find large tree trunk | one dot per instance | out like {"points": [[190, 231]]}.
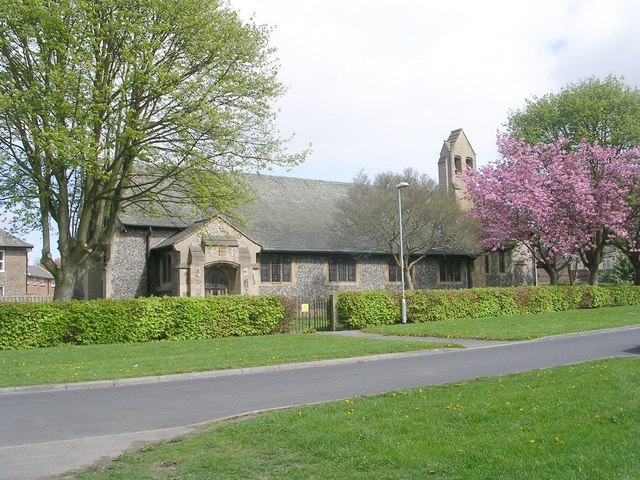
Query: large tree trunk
{"points": [[594, 257], [551, 271], [64, 289], [74, 264]]}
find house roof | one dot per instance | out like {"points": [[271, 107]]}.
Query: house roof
{"points": [[37, 271], [10, 241], [288, 215]]}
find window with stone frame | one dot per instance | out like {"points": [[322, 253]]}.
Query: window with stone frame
{"points": [[342, 269], [450, 270], [394, 274], [1, 290], [165, 268], [2, 260], [487, 263], [502, 261], [275, 269]]}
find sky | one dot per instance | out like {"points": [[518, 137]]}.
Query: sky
{"points": [[377, 85]]}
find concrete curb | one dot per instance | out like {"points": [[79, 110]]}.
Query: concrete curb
{"points": [[60, 387]]}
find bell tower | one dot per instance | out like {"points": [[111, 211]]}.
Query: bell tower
{"points": [[455, 156]]}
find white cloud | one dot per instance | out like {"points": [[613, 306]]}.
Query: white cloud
{"points": [[379, 85]]}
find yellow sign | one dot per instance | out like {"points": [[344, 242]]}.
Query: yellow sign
{"points": [[304, 308]]}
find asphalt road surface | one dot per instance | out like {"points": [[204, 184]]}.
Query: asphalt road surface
{"points": [[46, 433]]}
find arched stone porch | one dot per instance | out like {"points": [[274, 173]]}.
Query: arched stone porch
{"points": [[222, 278]]}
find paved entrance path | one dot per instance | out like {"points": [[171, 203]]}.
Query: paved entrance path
{"points": [[50, 432]]}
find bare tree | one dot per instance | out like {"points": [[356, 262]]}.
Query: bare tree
{"points": [[368, 219]]}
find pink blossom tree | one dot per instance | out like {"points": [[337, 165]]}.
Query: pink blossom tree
{"points": [[560, 203]]}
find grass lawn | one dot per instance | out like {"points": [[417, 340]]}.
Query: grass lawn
{"points": [[100, 362], [576, 422], [519, 327]]}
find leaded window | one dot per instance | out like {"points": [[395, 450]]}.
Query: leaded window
{"points": [[342, 269], [275, 270], [450, 270], [165, 268], [502, 262], [395, 274]]}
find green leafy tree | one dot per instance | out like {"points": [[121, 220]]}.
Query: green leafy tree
{"points": [[368, 218], [622, 271], [604, 112], [106, 104]]}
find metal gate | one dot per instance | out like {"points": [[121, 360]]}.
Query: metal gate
{"points": [[313, 314]]}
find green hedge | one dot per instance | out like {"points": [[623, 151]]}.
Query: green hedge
{"points": [[360, 309], [33, 325]]}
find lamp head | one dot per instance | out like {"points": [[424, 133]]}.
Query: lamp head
{"points": [[402, 185]]}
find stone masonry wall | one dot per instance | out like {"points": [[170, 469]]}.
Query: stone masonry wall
{"points": [[128, 265], [310, 272], [310, 278]]}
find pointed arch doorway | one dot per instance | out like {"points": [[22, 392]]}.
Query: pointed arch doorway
{"points": [[220, 279]]}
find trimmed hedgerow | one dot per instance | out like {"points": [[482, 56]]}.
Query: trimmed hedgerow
{"points": [[32, 325], [360, 309]]}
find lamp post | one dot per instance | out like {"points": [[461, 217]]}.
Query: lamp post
{"points": [[399, 187]]}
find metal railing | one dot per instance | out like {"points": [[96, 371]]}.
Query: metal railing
{"points": [[313, 314]]}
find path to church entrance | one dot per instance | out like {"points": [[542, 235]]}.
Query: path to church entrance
{"points": [[50, 432]]}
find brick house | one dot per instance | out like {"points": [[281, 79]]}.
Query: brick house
{"points": [[285, 247], [13, 264], [39, 281]]}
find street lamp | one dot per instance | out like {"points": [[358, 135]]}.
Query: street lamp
{"points": [[399, 187]]}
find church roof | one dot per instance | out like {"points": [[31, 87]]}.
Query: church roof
{"points": [[288, 215]]}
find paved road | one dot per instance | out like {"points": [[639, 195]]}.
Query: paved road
{"points": [[52, 432]]}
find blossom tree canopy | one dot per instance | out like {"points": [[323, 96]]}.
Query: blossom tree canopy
{"points": [[560, 203]]}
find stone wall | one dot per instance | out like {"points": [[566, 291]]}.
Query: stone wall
{"points": [[127, 264], [428, 275], [518, 269], [310, 277], [128, 269]]}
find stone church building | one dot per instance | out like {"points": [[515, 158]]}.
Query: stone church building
{"points": [[285, 247]]}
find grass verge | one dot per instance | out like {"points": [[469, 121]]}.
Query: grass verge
{"points": [[567, 422], [102, 362], [519, 327]]}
